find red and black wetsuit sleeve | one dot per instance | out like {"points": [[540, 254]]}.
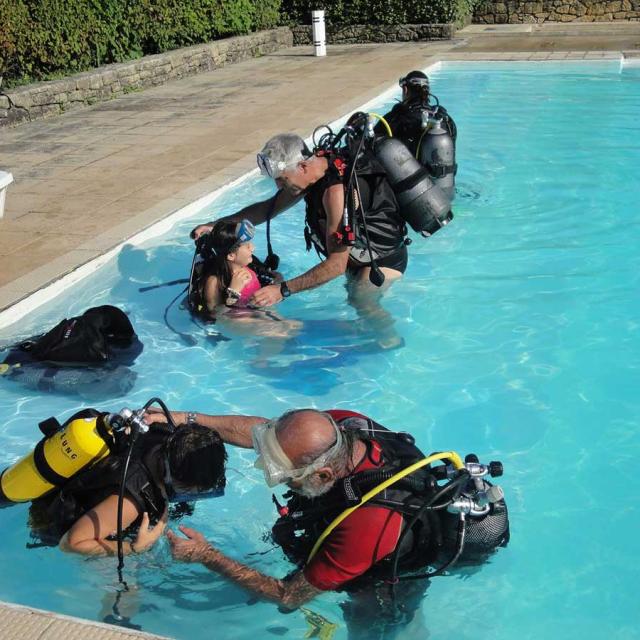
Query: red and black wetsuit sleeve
{"points": [[365, 537]]}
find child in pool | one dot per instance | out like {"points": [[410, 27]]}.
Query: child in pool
{"points": [[228, 280]]}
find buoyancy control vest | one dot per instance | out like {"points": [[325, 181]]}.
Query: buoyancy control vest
{"points": [[99, 335], [303, 519], [52, 515], [78, 355], [385, 226], [202, 269]]}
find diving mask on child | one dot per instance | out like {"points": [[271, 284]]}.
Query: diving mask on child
{"points": [[245, 232]]}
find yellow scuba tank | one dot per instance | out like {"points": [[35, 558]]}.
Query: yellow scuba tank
{"points": [[64, 451]]}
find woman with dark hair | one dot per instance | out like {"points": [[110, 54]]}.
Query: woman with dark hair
{"points": [[407, 117], [166, 467]]}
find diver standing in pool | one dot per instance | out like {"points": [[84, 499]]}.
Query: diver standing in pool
{"points": [[331, 461], [426, 128], [378, 247]]}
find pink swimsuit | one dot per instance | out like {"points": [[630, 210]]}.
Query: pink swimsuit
{"points": [[248, 290]]}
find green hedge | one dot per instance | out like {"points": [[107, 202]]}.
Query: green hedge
{"points": [[41, 39], [348, 12]]}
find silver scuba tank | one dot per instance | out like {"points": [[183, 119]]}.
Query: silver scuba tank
{"points": [[437, 152], [423, 205]]}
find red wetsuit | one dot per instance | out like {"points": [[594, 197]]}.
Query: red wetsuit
{"points": [[366, 536]]}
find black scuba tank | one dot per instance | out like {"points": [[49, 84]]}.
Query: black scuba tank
{"points": [[422, 203], [437, 152]]}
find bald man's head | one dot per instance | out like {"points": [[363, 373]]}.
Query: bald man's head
{"points": [[310, 452], [305, 434]]}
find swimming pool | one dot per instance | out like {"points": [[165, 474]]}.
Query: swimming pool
{"points": [[521, 327]]}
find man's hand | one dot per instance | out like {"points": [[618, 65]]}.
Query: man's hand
{"points": [[147, 536], [192, 549], [266, 296], [200, 229]]}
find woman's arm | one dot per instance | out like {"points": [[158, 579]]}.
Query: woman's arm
{"points": [[211, 294], [88, 536]]}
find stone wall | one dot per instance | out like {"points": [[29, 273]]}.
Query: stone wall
{"points": [[43, 99], [512, 11], [363, 33]]}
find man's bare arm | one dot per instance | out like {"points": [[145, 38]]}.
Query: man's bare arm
{"points": [[338, 254], [334, 266], [259, 211], [235, 430], [291, 593]]}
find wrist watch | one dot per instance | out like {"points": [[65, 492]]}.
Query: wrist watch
{"points": [[191, 418], [284, 289]]}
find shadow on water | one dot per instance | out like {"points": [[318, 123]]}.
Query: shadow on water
{"points": [[307, 361], [320, 357]]}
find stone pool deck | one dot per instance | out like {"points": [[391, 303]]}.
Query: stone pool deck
{"points": [[87, 180]]}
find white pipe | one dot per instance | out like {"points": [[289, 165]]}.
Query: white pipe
{"points": [[319, 35], [5, 180]]}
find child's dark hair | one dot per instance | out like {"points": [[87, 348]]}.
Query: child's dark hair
{"points": [[197, 457], [222, 241]]}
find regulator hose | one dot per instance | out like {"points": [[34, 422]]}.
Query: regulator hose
{"points": [[135, 430], [433, 504]]}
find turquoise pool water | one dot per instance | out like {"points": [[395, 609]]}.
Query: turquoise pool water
{"points": [[521, 324]]}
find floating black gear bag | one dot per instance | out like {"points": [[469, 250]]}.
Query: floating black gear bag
{"points": [[95, 337]]}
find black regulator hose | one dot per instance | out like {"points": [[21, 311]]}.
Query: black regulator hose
{"points": [[165, 410], [171, 283], [462, 532], [272, 261], [135, 430], [123, 480], [433, 504], [375, 276]]}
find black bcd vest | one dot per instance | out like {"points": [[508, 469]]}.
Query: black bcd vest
{"points": [[385, 226], [306, 518]]}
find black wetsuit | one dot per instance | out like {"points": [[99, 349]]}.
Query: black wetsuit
{"points": [[54, 514], [385, 227], [405, 120]]}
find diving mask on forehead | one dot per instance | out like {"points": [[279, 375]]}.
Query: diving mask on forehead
{"points": [[272, 169], [274, 462], [268, 168], [244, 232], [414, 80]]}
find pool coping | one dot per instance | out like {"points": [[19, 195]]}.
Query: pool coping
{"points": [[18, 622]]}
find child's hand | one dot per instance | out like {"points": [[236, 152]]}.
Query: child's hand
{"points": [[240, 278]]}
